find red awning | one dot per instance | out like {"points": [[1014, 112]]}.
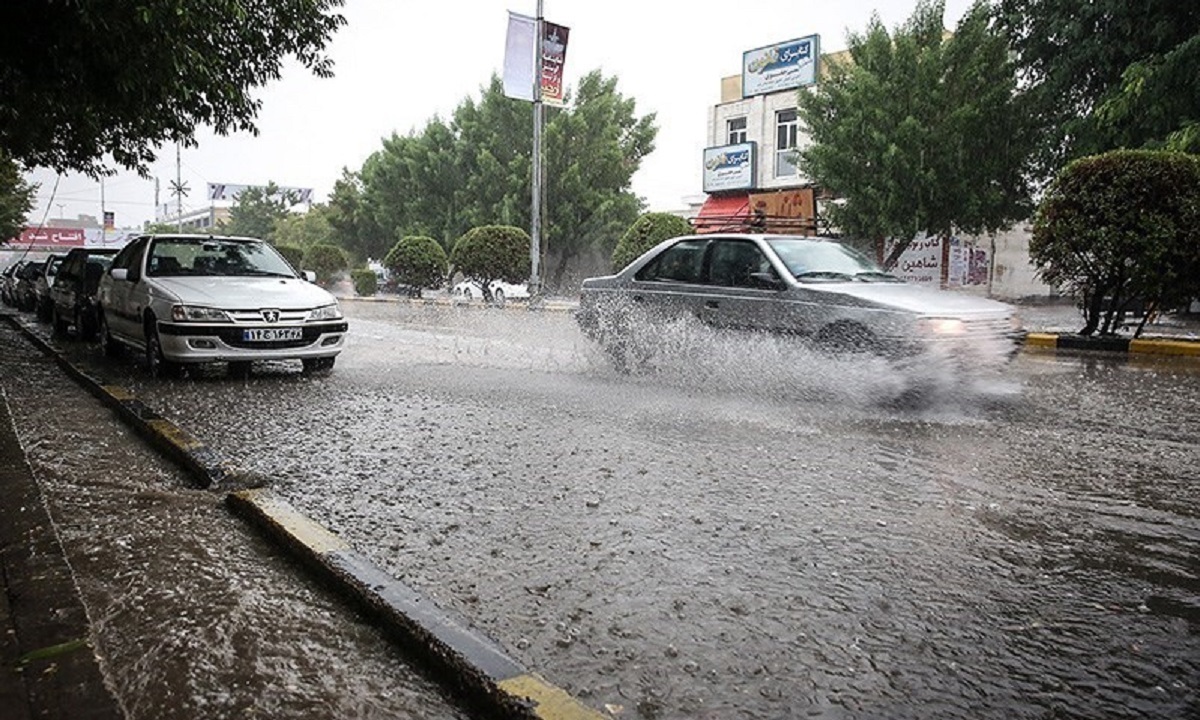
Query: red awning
{"points": [[723, 213]]}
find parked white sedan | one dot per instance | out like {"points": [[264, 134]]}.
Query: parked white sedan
{"points": [[468, 290], [188, 299]]}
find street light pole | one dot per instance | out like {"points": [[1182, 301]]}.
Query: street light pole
{"points": [[535, 234]]}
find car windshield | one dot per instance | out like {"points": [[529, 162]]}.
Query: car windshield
{"points": [[172, 256], [826, 261]]}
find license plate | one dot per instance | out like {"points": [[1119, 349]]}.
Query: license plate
{"points": [[272, 334]]}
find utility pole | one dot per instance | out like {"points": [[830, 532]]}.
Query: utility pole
{"points": [[535, 234], [178, 189], [103, 216]]}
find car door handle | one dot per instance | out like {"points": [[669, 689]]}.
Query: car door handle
{"points": [[638, 298], [711, 304]]}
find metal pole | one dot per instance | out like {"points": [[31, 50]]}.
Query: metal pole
{"points": [[535, 233], [178, 192], [103, 215]]}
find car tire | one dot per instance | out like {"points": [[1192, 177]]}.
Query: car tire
{"points": [[848, 337], [108, 343], [315, 365], [498, 297], [84, 330], [156, 363], [43, 311], [56, 320]]}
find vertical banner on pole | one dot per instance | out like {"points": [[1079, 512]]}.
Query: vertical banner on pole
{"points": [[554, 57], [519, 62]]}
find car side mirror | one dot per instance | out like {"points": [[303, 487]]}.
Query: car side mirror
{"points": [[767, 280], [120, 274], [310, 276]]}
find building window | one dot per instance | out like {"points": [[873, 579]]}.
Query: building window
{"points": [[785, 142], [736, 130]]}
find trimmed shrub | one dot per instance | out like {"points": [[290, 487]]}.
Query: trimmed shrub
{"points": [[293, 254], [366, 282], [326, 261], [647, 231], [492, 252], [417, 261], [1121, 227]]}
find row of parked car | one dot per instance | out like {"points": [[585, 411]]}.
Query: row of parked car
{"points": [[183, 301]]}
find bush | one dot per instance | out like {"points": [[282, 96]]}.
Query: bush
{"points": [[326, 261], [293, 254], [1120, 227], [366, 282], [492, 252], [417, 261], [647, 231]]}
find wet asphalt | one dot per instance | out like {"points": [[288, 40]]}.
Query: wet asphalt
{"points": [[745, 530]]}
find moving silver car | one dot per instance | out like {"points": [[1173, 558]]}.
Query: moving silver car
{"points": [[186, 299], [814, 288]]}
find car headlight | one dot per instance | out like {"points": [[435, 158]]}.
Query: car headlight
{"points": [[197, 313], [943, 326], [326, 312]]}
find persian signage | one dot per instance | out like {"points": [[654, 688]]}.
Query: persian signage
{"points": [[729, 167], [785, 66]]}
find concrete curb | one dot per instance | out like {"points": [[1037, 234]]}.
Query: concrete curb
{"points": [[463, 658], [1153, 346], [518, 305]]}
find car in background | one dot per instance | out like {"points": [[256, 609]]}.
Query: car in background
{"points": [[73, 295], [42, 285], [24, 290], [190, 299], [469, 290], [812, 288], [8, 281]]}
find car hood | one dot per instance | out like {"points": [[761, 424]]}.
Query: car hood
{"points": [[245, 292], [914, 298]]}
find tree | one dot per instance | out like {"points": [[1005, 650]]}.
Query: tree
{"points": [[475, 170], [1121, 226], [16, 199], [256, 210], [646, 232], [492, 252], [417, 261], [294, 255], [326, 261], [919, 132], [349, 215], [305, 229], [87, 80], [1105, 74]]}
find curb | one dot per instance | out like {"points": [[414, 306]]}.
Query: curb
{"points": [[1155, 346], [464, 659], [517, 305]]}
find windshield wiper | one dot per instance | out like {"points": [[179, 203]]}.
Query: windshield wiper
{"points": [[823, 275], [872, 276]]}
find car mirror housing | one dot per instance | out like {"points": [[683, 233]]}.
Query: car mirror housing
{"points": [[310, 276], [120, 274]]}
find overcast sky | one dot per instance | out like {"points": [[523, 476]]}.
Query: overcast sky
{"points": [[398, 64]]}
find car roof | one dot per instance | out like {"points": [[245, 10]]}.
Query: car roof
{"points": [[201, 236]]}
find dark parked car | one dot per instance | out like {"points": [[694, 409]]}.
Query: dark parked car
{"points": [[73, 296], [8, 281], [815, 289], [24, 291], [42, 285]]}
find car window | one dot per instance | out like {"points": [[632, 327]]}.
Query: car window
{"points": [[682, 262], [822, 259], [215, 257], [733, 263], [128, 258]]}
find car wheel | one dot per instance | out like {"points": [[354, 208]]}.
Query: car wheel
{"points": [[84, 329], [312, 365], [847, 337], [107, 342], [158, 365], [43, 311], [498, 296], [239, 369], [56, 319]]}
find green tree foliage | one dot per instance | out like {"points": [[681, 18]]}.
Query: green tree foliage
{"points": [[492, 252], [293, 254], [417, 261], [326, 261], [919, 131], [16, 199], [646, 232], [87, 80], [1120, 226], [366, 282], [1106, 74], [305, 229], [475, 170], [256, 211], [351, 219]]}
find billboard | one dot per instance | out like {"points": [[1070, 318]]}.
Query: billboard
{"points": [[228, 191], [520, 59], [49, 238], [730, 167], [784, 66]]}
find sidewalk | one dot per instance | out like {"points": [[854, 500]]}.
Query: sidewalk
{"points": [[1056, 327], [49, 668]]}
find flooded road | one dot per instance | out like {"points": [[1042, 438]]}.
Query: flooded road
{"points": [[750, 530]]}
